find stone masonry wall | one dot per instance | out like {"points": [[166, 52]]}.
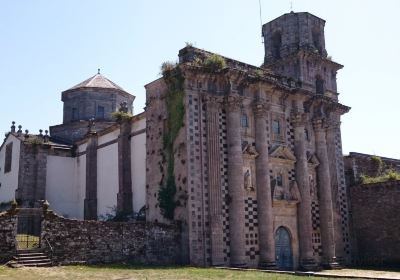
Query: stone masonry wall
{"points": [[76, 241], [376, 226], [8, 230]]}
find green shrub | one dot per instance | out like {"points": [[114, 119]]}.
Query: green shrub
{"points": [[214, 63], [120, 116]]}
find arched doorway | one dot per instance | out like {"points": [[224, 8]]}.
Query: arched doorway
{"points": [[283, 249]]}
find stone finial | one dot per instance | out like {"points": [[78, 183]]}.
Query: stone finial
{"points": [[92, 126], [45, 206], [98, 71], [19, 129], [13, 127], [41, 132], [46, 135], [26, 133], [123, 107]]}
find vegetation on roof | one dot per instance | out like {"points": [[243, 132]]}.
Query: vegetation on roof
{"points": [[384, 174], [120, 116]]}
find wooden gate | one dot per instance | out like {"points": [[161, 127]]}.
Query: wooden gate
{"points": [[283, 249]]}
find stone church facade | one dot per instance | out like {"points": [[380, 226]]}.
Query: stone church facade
{"points": [[248, 160], [258, 161]]}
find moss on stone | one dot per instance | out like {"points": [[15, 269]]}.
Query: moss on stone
{"points": [[176, 110]]}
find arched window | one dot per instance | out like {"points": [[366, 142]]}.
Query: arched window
{"points": [[276, 45], [319, 85]]}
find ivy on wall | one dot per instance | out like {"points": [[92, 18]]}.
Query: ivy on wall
{"points": [[176, 110]]}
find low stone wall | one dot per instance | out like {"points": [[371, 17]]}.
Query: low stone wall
{"points": [[75, 241], [8, 231], [376, 223]]}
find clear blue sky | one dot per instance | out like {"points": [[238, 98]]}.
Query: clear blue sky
{"points": [[47, 46]]}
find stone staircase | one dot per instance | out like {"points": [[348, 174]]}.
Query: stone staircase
{"points": [[33, 257]]}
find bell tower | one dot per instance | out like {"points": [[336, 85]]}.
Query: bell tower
{"points": [[295, 47]]}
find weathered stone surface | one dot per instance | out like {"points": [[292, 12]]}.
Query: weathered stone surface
{"points": [[76, 241], [8, 231], [375, 221]]}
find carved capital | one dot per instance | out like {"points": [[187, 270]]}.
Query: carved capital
{"points": [[233, 102], [298, 119], [319, 124], [260, 109], [212, 102], [333, 124]]}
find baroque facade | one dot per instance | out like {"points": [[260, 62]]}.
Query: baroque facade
{"points": [[257, 162], [248, 160]]}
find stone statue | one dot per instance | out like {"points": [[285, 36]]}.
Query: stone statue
{"points": [[247, 180]]}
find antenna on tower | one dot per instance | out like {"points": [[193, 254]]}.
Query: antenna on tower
{"points": [[291, 6], [262, 31]]}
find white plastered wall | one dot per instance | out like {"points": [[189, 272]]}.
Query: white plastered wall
{"points": [[64, 189], [107, 179], [9, 180], [138, 165]]}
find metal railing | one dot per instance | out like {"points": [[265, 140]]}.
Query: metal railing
{"points": [[51, 249]]}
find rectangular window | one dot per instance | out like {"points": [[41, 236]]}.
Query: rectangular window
{"points": [[75, 114], [8, 158], [245, 121], [276, 127], [100, 112]]}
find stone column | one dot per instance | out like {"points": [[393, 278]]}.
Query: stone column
{"points": [[264, 200], [124, 196], [214, 181], [235, 182], [325, 194], [90, 203], [307, 261]]}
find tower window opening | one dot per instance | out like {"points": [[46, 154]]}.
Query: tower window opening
{"points": [[316, 36], [75, 115], [319, 85], [276, 45], [100, 112]]}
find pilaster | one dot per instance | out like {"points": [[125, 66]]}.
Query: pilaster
{"points": [[124, 196], [90, 203]]}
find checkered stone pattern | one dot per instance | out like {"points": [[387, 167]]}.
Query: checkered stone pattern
{"points": [[251, 230], [289, 135], [292, 175], [343, 195], [206, 217], [224, 183], [316, 233], [196, 191]]}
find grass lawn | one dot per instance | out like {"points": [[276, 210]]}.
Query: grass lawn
{"points": [[128, 272]]}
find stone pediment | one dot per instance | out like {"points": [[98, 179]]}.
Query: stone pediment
{"points": [[250, 151], [282, 153], [312, 160]]}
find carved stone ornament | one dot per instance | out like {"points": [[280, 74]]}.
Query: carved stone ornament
{"points": [[123, 107], [233, 102]]}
